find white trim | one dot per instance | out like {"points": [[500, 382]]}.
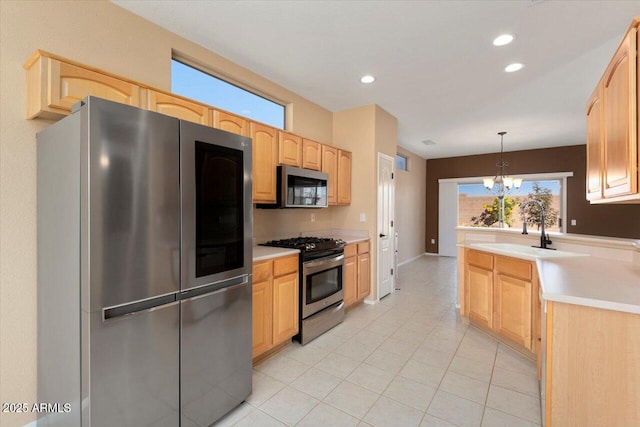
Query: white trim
{"points": [[526, 177], [411, 259]]}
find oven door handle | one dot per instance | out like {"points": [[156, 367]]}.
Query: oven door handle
{"points": [[311, 264]]}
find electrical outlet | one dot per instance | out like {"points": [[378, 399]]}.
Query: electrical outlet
{"points": [[433, 241], [574, 222], [313, 217], [363, 217]]}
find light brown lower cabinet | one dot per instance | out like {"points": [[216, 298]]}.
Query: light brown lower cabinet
{"points": [[275, 303], [592, 375], [501, 295], [356, 279]]}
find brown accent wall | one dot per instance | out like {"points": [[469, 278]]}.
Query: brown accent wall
{"points": [[599, 220]]}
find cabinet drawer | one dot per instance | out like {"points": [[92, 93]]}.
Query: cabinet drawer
{"points": [[285, 265], [480, 259], [350, 250], [262, 271], [513, 267], [363, 248]]}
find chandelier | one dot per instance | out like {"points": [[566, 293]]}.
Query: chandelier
{"points": [[502, 183]]}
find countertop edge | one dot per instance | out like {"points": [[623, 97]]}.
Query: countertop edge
{"points": [[267, 252]]}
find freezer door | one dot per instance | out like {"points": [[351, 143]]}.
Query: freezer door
{"points": [[215, 363], [133, 371], [134, 208]]}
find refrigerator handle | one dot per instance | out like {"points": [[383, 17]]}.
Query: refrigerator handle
{"points": [[214, 287], [137, 307]]}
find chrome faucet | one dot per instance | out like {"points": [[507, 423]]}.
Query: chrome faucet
{"points": [[544, 238]]}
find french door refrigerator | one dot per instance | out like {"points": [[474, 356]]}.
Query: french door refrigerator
{"points": [[144, 269]]}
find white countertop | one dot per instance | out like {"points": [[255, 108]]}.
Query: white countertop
{"points": [[578, 278], [592, 281], [261, 253]]}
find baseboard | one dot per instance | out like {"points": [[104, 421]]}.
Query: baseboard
{"points": [[411, 259]]}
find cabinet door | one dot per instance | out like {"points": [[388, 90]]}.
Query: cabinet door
{"points": [[230, 123], [262, 314], [311, 155], [330, 167], [265, 156], [178, 107], [285, 307], [69, 84], [594, 145], [620, 121], [479, 283], [344, 177], [349, 280], [289, 149], [364, 287], [513, 309]]}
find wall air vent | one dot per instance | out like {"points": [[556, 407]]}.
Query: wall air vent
{"points": [[428, 142]]}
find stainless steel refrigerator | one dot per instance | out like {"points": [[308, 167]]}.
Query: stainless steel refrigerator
{"points": [[144, 269]]}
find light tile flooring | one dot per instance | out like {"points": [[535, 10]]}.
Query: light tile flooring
{"points": [[407, 361]]}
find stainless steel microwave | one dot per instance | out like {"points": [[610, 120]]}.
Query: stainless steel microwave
{"points": [[299, 188]]}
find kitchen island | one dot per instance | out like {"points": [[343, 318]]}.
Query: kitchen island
{"points": [[587, 310]]}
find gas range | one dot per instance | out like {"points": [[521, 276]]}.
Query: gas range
{"points": [[321, 294], [311, 247]]}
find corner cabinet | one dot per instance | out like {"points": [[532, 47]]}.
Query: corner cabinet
{"points": [[612, 129], [356, 278], [275, 304], [501, 296]]}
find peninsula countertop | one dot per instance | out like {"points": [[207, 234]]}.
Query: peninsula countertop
{"points": [[583, 280], [591, 281]]}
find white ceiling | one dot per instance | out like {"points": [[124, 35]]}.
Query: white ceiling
{"points": [[436, 68]]}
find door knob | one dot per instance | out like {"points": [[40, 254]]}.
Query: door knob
{"points": [[383, 235]]}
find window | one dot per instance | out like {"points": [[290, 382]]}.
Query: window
{"points": [[195, 84], [401, 162], [478, 207]]}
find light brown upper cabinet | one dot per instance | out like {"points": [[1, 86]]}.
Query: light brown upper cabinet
{"points": [[344, 177], [54, 85], [617, 95], [311, 154], [265, 158], [178, 107], [289, 149], [230, 123], [594, 145], [330, 167]]}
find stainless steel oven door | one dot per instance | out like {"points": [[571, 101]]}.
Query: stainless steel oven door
{"points": [[321, 283]]}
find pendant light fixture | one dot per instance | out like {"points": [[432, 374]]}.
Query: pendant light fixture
{"points": [[502, 182]]}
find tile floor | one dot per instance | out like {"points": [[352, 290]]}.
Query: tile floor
{"points": [[407, 361]]}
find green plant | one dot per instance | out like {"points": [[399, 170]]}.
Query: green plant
{"points": [[491, 213], [532, 214]]}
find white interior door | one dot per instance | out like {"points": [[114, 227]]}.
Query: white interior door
{"points": [[447, 218], [386, 200]]}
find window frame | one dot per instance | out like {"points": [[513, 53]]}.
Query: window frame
{"points": [[406, 162], [225, 79], [561, 176]]}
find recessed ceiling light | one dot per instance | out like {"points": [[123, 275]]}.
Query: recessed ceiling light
{"points": [[513, 67], [367, 79], [503, 39]]}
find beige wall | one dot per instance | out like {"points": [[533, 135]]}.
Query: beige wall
{"points": [[364, 131], [411, 193], [103, 35]]}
